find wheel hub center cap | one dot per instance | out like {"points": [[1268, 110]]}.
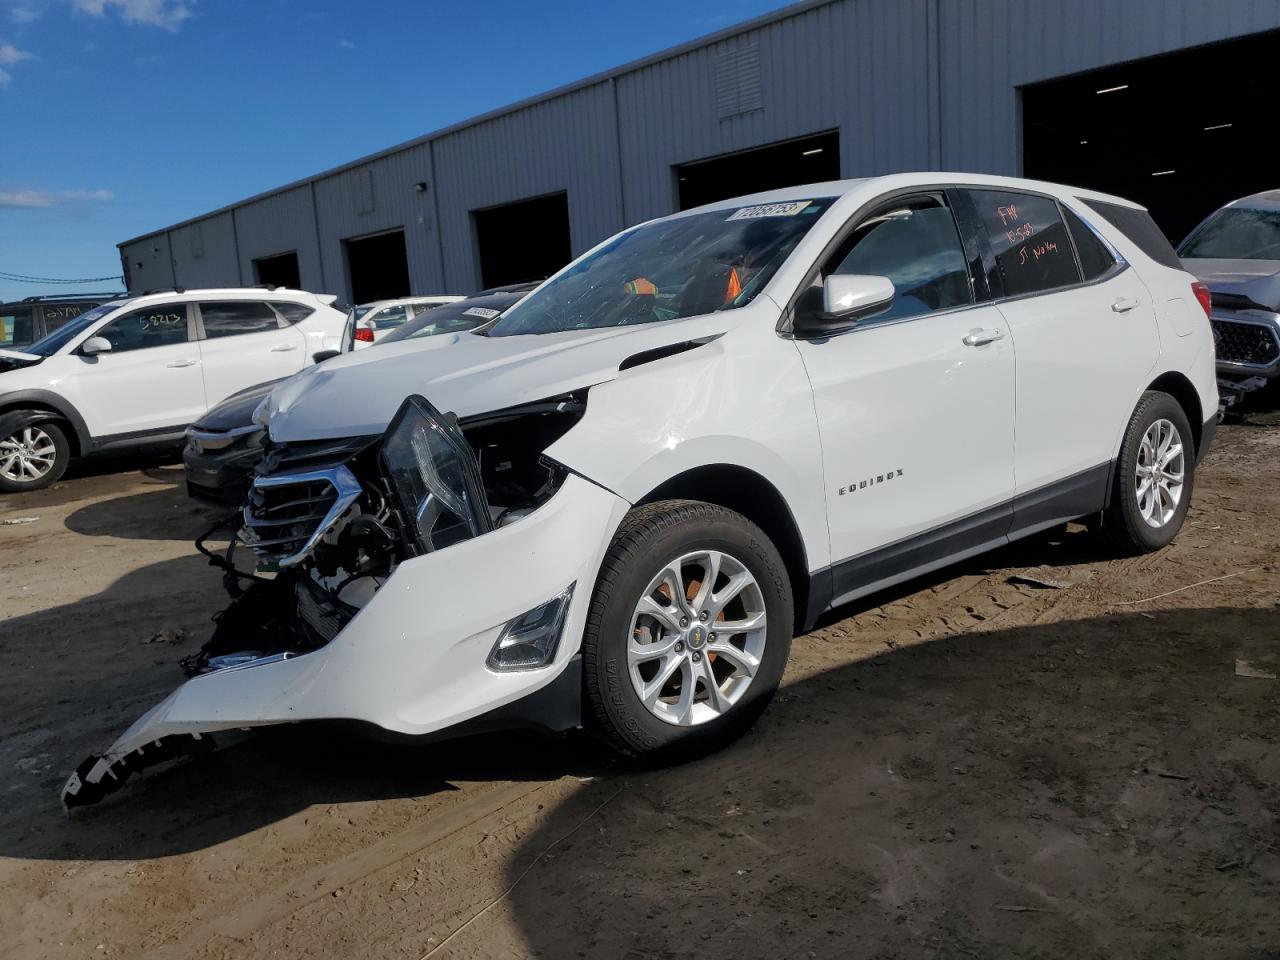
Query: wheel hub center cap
{"points": [[697, 638]]}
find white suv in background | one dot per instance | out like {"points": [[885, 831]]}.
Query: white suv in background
{"points": [[614, 505], [373, 321], [139, 369]]}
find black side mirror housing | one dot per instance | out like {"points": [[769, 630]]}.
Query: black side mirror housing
{"points": [[323, 355]]}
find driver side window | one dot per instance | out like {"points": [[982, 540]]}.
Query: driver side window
{"points": [[154, 327], [914, 242]]}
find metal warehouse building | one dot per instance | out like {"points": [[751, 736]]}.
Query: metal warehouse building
{"points": [[1169, 102]]}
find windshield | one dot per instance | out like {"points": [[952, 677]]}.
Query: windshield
{"points": [[1236, 233], [668, 270], [69, 331]]}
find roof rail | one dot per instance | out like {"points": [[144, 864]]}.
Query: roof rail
{"points": [[147, 293], [114, 294]]}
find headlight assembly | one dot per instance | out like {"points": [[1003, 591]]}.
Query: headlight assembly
{"points": [[434, 477]]}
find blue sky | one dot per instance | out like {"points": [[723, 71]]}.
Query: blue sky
{"points": [[121, 116]]}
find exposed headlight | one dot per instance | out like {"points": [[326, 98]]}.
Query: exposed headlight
{"points": [[532, 639], [434, 476]]}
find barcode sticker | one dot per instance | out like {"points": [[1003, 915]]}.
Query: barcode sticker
{"points": [[770, 210]]}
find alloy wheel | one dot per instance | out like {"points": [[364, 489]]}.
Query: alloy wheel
{"points": [[1160, 473], [27, 455], [697, 638]]}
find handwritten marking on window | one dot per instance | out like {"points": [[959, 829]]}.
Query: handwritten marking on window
{"points": [[1007, 214], [1021, 232], [1038, 251]]}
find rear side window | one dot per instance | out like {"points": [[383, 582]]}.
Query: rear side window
{"points": [[1028, 241], [293, 312], [16, 326], [1139, 228], [389, 318], [232, 318], [56, 316], [1095, 258]]}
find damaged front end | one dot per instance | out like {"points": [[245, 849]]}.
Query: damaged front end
{"points": [[417, 580]]}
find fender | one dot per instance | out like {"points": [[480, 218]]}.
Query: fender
{"points": [[45, 402]]}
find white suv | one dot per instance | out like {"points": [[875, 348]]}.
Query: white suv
{"points": [[689, 444], [139, 369]]}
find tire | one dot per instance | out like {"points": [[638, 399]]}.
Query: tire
{"points": [[47, 454], [1141, 525], [683, 722]]}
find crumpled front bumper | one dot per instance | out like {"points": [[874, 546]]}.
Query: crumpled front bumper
{"points": [[412, 660]]}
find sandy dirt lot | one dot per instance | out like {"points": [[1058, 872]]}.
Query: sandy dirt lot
{"points": [[969, 766]]}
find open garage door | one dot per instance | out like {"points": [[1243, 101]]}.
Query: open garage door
{"points": [[378, 267], [1182, 133], [806, 160], [523, 241], [280, 270]]}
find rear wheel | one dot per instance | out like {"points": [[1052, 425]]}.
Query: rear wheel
{"points": [[1154, 477], [33, 457], [689, 630]]}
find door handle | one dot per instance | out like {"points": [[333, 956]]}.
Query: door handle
{"points": [[284, 347], [978, 337], [1124, 304], [182, 363]]}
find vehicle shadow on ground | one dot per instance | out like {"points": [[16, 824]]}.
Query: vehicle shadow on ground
{"points": [[1101, 787], [164, 513]]}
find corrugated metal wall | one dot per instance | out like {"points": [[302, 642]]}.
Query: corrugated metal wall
{"points": [[991, 47], [909, 84]]}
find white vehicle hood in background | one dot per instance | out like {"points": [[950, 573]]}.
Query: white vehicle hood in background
{"points": [[358, 394]]}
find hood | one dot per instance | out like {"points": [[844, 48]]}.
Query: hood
{"points": [[16, 359], [237, 409], [1240, 283], [357, 394]]}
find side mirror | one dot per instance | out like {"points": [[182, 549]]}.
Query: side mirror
{"points": [[323, 355], [846, 299], [95, 345]]}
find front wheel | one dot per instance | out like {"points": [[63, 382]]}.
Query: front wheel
{"points": [[1154, 476], [688, 632], [33, 457]]}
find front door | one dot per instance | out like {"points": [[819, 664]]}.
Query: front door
{"points": [[914, 405], [150, 380]]}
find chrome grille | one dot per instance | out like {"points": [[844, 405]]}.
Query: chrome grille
{"points": [[1255, 344], [288, 514]]}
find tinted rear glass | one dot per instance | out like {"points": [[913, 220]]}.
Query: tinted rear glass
{"points": [[1138, 226], [1095, 258], [16, 326], [1028, 240]]}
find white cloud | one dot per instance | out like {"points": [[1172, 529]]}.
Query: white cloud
{"points": [[168, 14], [24, 14], [5, 77], [40, 199], [346, 44], [9, 55]]}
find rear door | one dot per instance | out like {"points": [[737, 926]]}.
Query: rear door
{"points": [[244, 343], [1085, 335], [149, 382]]}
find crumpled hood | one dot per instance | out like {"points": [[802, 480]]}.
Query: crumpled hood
{"points": [[1255, 280], [357, 394]]}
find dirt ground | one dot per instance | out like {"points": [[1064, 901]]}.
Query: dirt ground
{"points": [[969, 766]]}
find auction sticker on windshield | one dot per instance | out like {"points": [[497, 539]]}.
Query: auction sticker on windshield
{"points": [[770, 210], [480, 312]]}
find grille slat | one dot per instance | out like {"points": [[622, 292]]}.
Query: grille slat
{"points": [[1254, 344], [288, 514]]}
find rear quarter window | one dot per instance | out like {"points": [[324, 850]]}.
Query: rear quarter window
{"points": [[292, 312], [1140, 229], [1095, 258]]}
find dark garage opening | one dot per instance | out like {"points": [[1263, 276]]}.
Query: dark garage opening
{"points": [[528, 240], [280, 270], [1181, 133], [806, 160], [378, 267]]}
